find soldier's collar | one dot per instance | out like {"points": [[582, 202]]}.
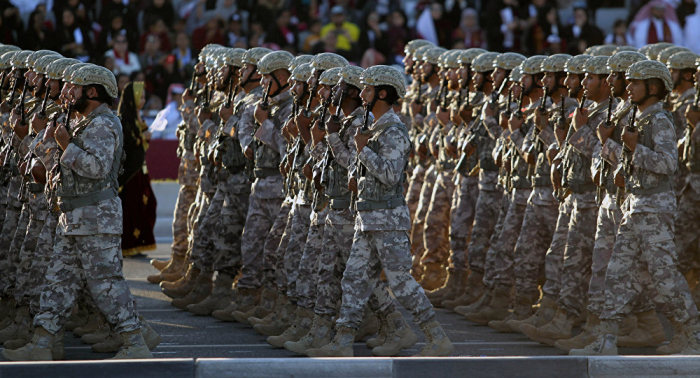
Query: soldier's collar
{"points": [[655, 108]]}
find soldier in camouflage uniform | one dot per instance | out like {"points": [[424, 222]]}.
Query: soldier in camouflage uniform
{"points": [[691, 189], [382, 222], [644, 247], [87, 185]]}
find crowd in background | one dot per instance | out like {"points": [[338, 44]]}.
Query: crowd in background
{"points": [[157, 41]]}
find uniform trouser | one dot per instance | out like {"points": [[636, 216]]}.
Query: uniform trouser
{"points": [[539, 223], [193, 219], [337, 241], [227, 237], [418, 228], [687, 225], [185, 198], [37, 217], [578, 255], [462, 220], [273, 261], [371, 251], [490, 263], [202, 255], [645, 254], [283, 222], [99, 257], [436, 236], [554, 258], [488, 207], [415, 184], [608, 223], [9, 228], [41, 260], [503, 277], [16, 244], [299, 231], [255, 241], [309, 262]]}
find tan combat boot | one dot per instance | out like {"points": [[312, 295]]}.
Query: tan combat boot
{"points": [[436, 295], [437, 344], [160, 264], [542, 316], [692, 334], [262, 309], [79, 318], [39, 349], [473, 291], [219, 299], [280, 303], [245, 300], [434, 276], [368, 327], [98, 336], [200, 291], [134, 346], [301, 326], [559, 328], [176, 269], [96, 321], [381, 335], [341, 346], [457, 289], [20, 328], [649, 332], [604, 344], [521, 311], [476, 306], [183, 286], [318, 336], [586, 336], [7, 306], [281, 323], [399, 336], [114, 341], [497, 309], [679, 341]]}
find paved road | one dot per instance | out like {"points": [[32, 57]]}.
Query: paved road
{"points": [[187, 335]]}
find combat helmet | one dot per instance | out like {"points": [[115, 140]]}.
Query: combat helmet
{"points": [[276, 60], [299, 60], [652, 51], [533, 65], [96, 75], [597, 65], [415, 44], [253, 56], [666, 53], [233, 57], [516, 75], [70, 70], [508, 61], [626, 48], [621, 61], [682, 60], [351, 75], [326, 61], [576, 65], [36, 55], [432, 55], [6, 59], [42, 64], [555, 63], [19, 60], [466, 57], [451, 60], [484, 62], [330, 76], [604, 50], [650, 69], [302, 72], [56, 69], [385, 75]]}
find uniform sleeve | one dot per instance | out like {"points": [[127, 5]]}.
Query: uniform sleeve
{"points": [[344, 154], [584, 139], [611, 151], [388, 164], [95, 160], [492, 126], [663, 158]]}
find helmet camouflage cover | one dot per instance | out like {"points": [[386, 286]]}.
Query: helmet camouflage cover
{"points": [[468, 56], [41, 64], [330, 77], [96, 75], [299, 60], [621, 61], [57, 69], [597, 65], [276, 60], [415, 44], [508, 61], [385, 75], [666, 53], [650, 69], [253, 56], [533, 65], [351, 75], [302, 72], [555, 63], [576, 65], [484, 62], [682, 60], [652, 51], [326, 61]]}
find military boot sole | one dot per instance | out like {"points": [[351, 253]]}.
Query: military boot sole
{"points": [[529, 330], [16, 344], [406, 342], [265, 320], [500, 326], [573, 343], [160, 264], [341, 352], [272, 329], [223, 315], [484, 318], [206, 309]]}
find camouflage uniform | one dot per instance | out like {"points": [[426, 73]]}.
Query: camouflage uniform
{"points": [[381, 239], [88, 236]]}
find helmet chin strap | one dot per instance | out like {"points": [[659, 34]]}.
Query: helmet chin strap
{"points": [[647, 95], [485, 81], [248, 79], [280, 87]]}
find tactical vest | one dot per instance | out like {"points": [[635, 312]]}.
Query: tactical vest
{"points": [[608, 172], [75, 191], [578, 173], [518, 166], [335, 176], [485, 145], [372, 193], [641, 181], [267, 160]]}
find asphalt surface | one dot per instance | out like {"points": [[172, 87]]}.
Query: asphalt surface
{"points": [[188, 336]]}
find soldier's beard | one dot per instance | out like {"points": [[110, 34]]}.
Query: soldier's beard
{"points": [[574, 92], [81, 103]]}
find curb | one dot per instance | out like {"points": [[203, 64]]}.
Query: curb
{"points": [[473, 367]]}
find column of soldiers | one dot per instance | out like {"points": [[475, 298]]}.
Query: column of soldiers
{"points": [[61, 153]]}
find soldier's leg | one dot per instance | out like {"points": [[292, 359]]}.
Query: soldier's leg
{"points": [[185, 198], [272, 241], [608, 222], [436, 233], [258, 222], [228, 240], [418, 228], [297, 240], [554, 258], [41, 260], [539, 223], [488, 206], [462, 221], [16, 244], [24, 283], [284, 222], [309, 264], [493, 249], [8, 231], [203, 253], [415, 183], [687, 222]]}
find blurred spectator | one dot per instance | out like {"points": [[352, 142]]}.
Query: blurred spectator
{"points": [[265, 10], [327, 44], [656, 22], [165, 124], [257, 34], [373, 43], [236, 35], [117, 6], [162, 9], [71, 40], [384, 8], [692, 31], [116, 27], [619, 34], [545, 24], [122, 81], [313, 35], [398, 35], [210, 32], [183, 52], [469, 31], [346, 32], [157, 28], [35, 38], [504, 35], [151, 55], [11, 26], [163, 75], [283, 33], [581, 34], [433, 26], [125, 61], [685, 8]]}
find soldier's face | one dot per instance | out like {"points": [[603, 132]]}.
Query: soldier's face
{"points": [[572, 83], [516, 90], [453, 79], [527, 82], [53, 87], [313, 79], [247, 72], [549, 80], [408, 64], [478, 79], [593, 86], [636, 91], [65, 94], [617, 83], [324, 93], [426, 71], [29, 76], [417, 71], [38, 80], [497, 77]]}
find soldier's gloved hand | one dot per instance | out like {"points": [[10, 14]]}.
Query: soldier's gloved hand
{"points": [[515, 122], [261, 115], [249, 153], [5, 107], [352, 185], [455, 116], [443, 116], [580, 118], [469, 149], [489, 111], [333, 125], [225, 113], [317, 134], [38, 123], [187, 95], [630, 138], [415, 109], [62, 137], [451, 150], [360, 140], [283, 169], [203, 115], [604, 133], [619, 180]]}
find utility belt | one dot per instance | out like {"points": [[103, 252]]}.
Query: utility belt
{"points": [[266, 172], [392, 203], [664, 186], [341, 203], [35, 187], [70, 203], [579, 188]]}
